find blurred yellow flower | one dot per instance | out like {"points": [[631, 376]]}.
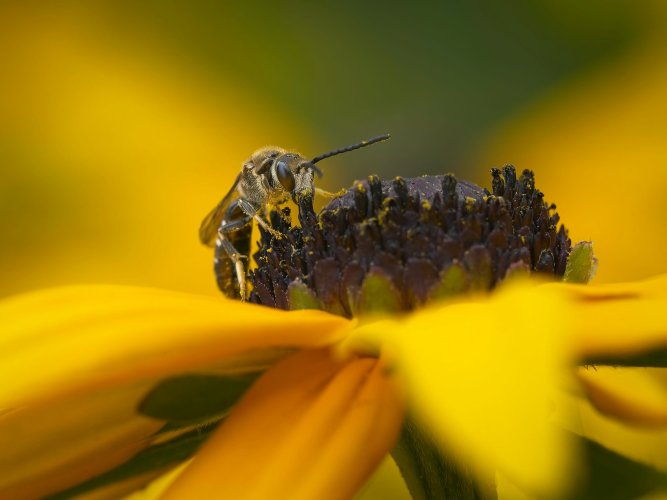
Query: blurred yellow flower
{"points": [[77, 364], [85, 369], [112, 148], [599, 143]]}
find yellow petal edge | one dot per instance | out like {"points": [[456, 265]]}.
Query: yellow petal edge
{"points": [[58, 341]]}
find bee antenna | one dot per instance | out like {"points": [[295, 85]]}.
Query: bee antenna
{"points": [[317, 169], [362, 144]]}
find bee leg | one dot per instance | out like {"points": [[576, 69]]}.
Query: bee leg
{"points": [[276, 234], [328, 194], [251, 211], [236, 258]]}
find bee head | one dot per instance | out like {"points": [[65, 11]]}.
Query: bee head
{"points": [[262, 159], [294, 174], [303, 186]]}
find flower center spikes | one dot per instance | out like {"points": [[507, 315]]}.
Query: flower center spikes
{"points": [[395, 245]]}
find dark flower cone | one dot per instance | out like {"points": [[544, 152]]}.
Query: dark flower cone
{"points": [[395, 245]]}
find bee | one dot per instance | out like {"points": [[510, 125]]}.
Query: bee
{"points": [[270, 177]]}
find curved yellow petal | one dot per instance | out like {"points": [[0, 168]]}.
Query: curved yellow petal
{"points": [[61, 341], [619, 319], [481, 375], [312, 427], [631, 395]]}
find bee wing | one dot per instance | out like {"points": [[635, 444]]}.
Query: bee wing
{"points": [[208, 230]]}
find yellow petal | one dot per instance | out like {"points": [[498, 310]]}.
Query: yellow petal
{"points": [[620, 319], [481, 374], [61, 341], [312, 427], [632, 395]]}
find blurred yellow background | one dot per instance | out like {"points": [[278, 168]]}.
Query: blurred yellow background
{"points": [[122, 123]]}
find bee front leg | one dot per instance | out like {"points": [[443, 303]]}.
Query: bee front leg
{"points": [[328, 194], [251, 211]]}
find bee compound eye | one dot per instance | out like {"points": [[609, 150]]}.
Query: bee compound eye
{"points": [[285, 176]]}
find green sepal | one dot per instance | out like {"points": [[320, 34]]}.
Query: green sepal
{"points": [[153, 458], [517, 271], [611, 476], [479, 264], [581, 263], [653, 358], [300, 296], [378, 294], [194, 398], [430, 474], [453, 280]]}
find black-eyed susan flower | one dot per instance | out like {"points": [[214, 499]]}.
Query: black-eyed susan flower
{"points": [[106, 388]]}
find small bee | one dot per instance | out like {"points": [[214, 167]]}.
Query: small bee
{"points": [[270, 177]]}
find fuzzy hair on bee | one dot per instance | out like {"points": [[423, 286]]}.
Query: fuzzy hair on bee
{"points": [[270, 177]]}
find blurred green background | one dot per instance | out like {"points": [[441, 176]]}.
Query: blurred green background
{"points": [[438, 75], [123, 123]]}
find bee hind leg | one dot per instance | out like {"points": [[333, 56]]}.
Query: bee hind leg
{"points": [[237, 260], [232, 246]]}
